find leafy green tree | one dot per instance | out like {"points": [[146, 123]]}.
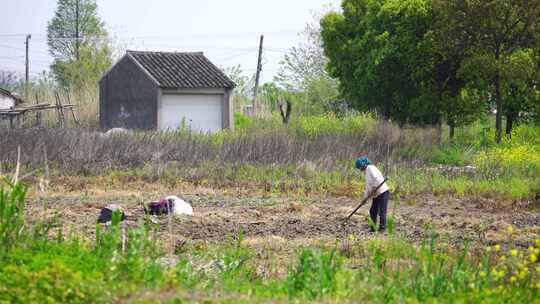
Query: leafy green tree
{"points": [[496, 30], [303, 73], [521, 93], [244, 83], [378, 50], [10, 81], [419, 61], [457, 103], [243, 91], [322, 95], [305, 62], [272, 94], [79, 43], [279, 99]]}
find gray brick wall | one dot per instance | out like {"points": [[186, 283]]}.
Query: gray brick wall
{"points": [[128, 98]]}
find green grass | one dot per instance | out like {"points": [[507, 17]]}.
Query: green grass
{"points": [[385, 270], [310, 155], [38, 268], [510, 171], [39, 264], [512, 183]]}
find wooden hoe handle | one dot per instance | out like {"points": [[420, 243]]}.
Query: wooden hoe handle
{"points": [[364, 201]]}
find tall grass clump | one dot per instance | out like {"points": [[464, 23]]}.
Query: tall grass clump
{"points": [[133, 254], [389, 270], [37, 266], [75, 151], [316, 274], [518, 154], [12, 202], [330, 123], [44, 268], [453, 155], [394, 270], [85, 100], [312, 154]]}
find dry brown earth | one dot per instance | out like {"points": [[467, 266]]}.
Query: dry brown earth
{"points": [[220, 215]]}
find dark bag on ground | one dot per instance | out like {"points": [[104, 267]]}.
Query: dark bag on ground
{"points": [[106, 214], [159, 208]]}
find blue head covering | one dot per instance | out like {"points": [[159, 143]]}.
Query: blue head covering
{"points": [[363, 162]]}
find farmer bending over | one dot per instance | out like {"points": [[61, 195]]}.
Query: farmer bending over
{"points": [[374, 178]]}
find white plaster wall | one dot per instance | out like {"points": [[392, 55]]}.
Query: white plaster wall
{"points": [[6, 102], [200, 112], [194, 91]]}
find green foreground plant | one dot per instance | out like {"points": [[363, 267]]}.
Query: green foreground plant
{"points": [[41, 265], [45, 269]]}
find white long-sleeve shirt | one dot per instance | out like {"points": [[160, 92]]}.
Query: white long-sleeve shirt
{"points": [[374, 178]]}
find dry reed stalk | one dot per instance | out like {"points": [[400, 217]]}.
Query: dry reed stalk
{"points": [[15, 179], [123, 236], [171, 240], [44, 181]]}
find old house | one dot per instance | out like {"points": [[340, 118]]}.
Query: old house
{"points": [[8, 101], [165, 91]]}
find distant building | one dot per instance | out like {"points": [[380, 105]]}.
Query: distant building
{"points": [[166, 91], [8, 100]]}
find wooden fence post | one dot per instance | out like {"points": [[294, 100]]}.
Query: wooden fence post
{"points": [[38, 113], [75, 118], [60, 110]]}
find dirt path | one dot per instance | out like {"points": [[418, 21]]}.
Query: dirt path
{"points": [[218, 217]]}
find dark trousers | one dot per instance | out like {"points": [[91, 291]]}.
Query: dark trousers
{"points": [[379, 207]]}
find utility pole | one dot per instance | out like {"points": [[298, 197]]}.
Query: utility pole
{"points": [[259, 68], [77, 42], [27, 70]]}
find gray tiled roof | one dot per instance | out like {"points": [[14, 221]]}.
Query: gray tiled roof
{"points": [[182, 70], [9, 94]]}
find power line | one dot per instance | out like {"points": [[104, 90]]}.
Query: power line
{"points": [[167, 45], [192, 35], [277, 50], [42, 58], [265, 70], [12, 60], [16, 70], [40, 61], [11, 47], [205, 47], [12, 35], [237, 55], [40, 52], [31, 51]]}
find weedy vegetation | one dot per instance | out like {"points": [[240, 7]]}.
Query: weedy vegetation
{"points": [[415, 63], [41, 264], [311, 155]]}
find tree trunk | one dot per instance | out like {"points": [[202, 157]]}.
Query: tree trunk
{"points": [[498, 99], [451, 132], [439, 132], [386, 110], [498, 117], [285, 113], [509, 124]]}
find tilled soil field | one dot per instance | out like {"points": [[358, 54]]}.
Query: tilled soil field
{"points": [[218, 217]]}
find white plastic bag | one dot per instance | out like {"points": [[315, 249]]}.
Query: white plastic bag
{"points": [[180, 207]]}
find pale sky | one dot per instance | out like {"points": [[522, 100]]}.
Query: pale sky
{"points": [[226, 31]]}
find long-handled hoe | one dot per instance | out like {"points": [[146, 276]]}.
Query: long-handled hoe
{"points": [[364, 201]]}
